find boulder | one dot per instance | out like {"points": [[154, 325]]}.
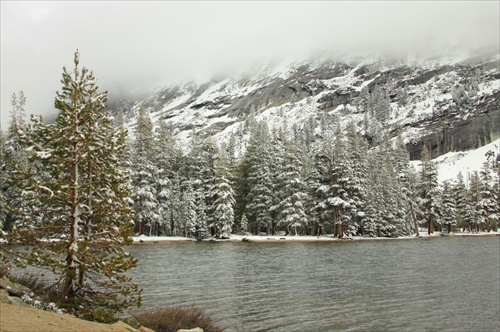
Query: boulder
{"points": [[6, 298], [13, 289]]}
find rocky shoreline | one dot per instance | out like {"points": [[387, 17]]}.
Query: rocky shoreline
{"points": [[16, 315]]}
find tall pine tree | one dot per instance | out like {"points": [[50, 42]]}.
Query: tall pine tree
{"points": [[74, 189], [449, 206], [464, 211], [260, 181], [429, 192], [488, 203], [145, 177]]}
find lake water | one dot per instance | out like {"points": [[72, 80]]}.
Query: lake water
{"points": [[445, 284]]}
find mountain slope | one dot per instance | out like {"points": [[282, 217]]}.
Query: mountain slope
{"points": [[448, 102]]}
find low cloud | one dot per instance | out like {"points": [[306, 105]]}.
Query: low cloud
{"points": [[131, 46]]}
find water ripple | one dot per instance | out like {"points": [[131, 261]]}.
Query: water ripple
{"points": [[442, 284]]}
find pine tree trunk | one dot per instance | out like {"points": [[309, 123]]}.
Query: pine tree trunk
{"points": [[88, 225], [69, 284], [414, 218], [172, 221], [69, 288], [430, 226], [335, 223]]}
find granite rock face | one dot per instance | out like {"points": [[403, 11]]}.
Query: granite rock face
{"points": [[460, 132]]}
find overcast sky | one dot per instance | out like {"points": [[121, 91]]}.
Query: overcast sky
{"points": [[132, 45]]}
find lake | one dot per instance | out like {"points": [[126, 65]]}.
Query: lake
{"points": [[444, 284]]}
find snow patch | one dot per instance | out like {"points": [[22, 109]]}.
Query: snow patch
{"points": [[466, 162]]}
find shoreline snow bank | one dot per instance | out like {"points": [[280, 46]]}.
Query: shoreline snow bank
{"points": [[299, 238]]}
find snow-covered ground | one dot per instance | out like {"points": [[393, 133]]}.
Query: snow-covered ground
{"points": [[300, 238], [143, 239], [465, 161], [157, 239]]}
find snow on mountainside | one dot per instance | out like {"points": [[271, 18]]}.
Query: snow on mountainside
{"points": [[467, 162], [449, 103]]}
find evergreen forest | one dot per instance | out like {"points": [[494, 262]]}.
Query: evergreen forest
{"points": [[297, 180]]}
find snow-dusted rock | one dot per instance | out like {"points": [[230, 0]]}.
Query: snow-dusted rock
{"points": [[448, 102]]}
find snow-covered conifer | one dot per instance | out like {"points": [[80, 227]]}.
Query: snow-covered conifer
{"points": [[188, 215], [375, 205], [489, 205], [449, 208], [13, 153], [291, 191], [355, 183], [74, 189], [244, 224], [319, 191], [407, 178], [3, 167], [165, 153], [464, 213], [429, 192], [172, 211], [201, 171], [223, 198], [339, 200], [260, 180], [223, 207], [145, 176], [386, 200], [202, 219], [475, 193]]}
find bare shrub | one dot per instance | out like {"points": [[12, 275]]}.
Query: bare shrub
{"points": [[48, 292], [172, 319]]}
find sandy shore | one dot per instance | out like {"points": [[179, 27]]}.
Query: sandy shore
{"points": [[14, 318]]}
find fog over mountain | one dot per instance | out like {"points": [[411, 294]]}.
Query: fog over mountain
{"points": [[134, 46]]}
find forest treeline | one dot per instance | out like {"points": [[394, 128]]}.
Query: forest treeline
{"points": [[313, 179], [317, 178]]}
